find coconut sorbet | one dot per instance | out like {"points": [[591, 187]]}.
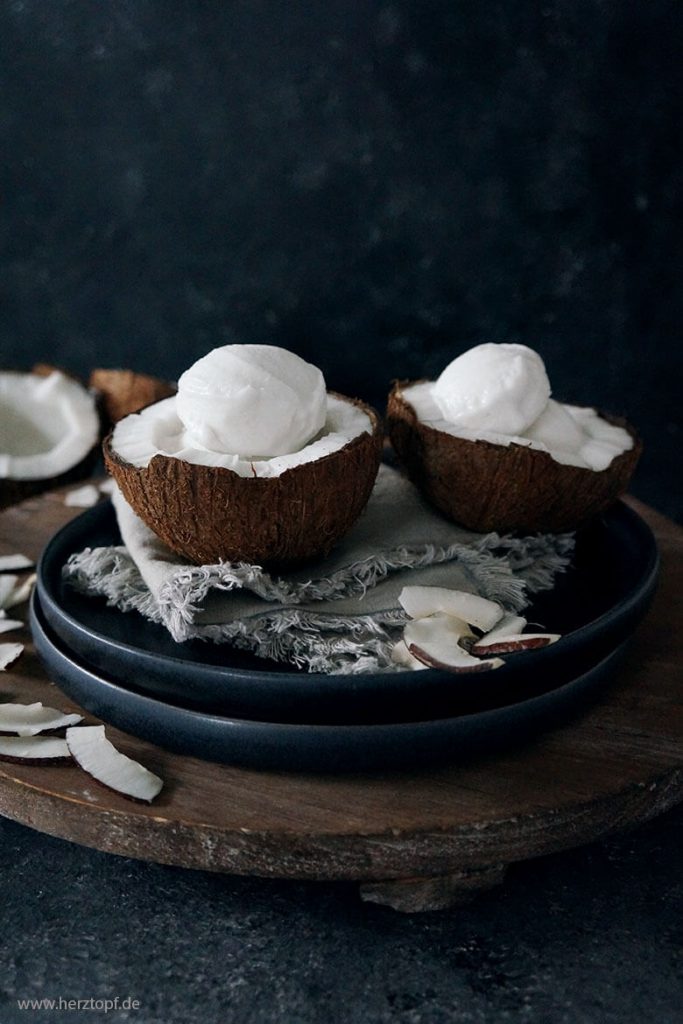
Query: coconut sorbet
{"points": [[252, 400], [255, 409], [501, 393]]}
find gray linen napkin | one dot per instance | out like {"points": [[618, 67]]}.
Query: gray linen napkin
{"points": [[340, 614]]}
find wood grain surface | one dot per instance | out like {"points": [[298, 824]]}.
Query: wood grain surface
{"points": [[417, 840]]}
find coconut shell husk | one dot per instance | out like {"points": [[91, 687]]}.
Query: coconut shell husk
{"points": [[209, 513], [485, 486], [124, 391]]}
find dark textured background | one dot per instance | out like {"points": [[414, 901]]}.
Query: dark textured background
{"points": [[375, 185]]}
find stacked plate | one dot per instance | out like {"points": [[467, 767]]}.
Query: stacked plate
{"points": [[220, 704]]}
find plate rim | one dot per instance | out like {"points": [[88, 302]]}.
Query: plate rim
{"points": [[640, 592], [292, 728]]}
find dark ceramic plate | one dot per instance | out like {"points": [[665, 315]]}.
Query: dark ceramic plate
{"points": [[306, 747], [595, 606]]}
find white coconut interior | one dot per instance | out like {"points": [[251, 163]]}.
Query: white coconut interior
{"points": [[158, 430], [594, 445], [47, 425]]}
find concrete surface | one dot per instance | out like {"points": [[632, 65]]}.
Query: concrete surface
{"points": [[591, 936]]}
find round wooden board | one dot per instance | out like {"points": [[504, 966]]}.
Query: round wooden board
{"points": [[414, 841]]}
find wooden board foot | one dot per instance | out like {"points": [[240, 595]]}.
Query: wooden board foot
{"points": [[412, 895]]}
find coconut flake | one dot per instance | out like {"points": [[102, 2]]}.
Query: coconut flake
{"points": [[95, 754], [18, 592], [507, 626], [108, 486], [11, 563], [8, 654], [8, 585], [30, 719], [437, 641], [7, 625], [82, 497], [400, 655], [513, 642], [420, 602], [33, 749]]}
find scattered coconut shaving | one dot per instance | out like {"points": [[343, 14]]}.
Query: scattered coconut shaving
{"points": [[14, 563], [437, 641], [19, 591], [95, 754], [86, 745], [82, 497], [8, 585], [31, 719], [513, 642], [400, 655], [7, 625], [8, 654], [33, 749], [419, 602], [439, 634], [107, 486]]}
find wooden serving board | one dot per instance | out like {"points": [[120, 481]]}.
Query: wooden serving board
{"points": [[413, 841]]}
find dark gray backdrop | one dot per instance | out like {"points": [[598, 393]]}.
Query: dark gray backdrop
{"points": [[375, 185]]}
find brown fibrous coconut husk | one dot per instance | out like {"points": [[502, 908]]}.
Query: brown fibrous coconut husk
{"points": [[208, 513], [124, 391], [485, 486]]}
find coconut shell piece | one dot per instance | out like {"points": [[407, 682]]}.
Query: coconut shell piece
{"points": [[209, 514], [124, 391], [485, 486]]}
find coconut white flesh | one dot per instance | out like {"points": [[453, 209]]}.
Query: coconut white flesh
{"points": [[400, 655], [11, 563], [33, 749], [82, 497], [8, 654], [94, 753], [508, 625], [158, 430], [19, 591], [8, 587], [437, 642], [420, 602], [513, 642], [31, 719], [7, 625], [47, 425], [572, 435]]}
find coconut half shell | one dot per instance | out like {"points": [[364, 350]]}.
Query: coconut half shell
{"points": [[485, 486], [210, 514], [41, 444], [124, 391]]}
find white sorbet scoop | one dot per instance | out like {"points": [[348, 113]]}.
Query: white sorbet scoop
{"points": [[252, 400], [495, 388]]}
